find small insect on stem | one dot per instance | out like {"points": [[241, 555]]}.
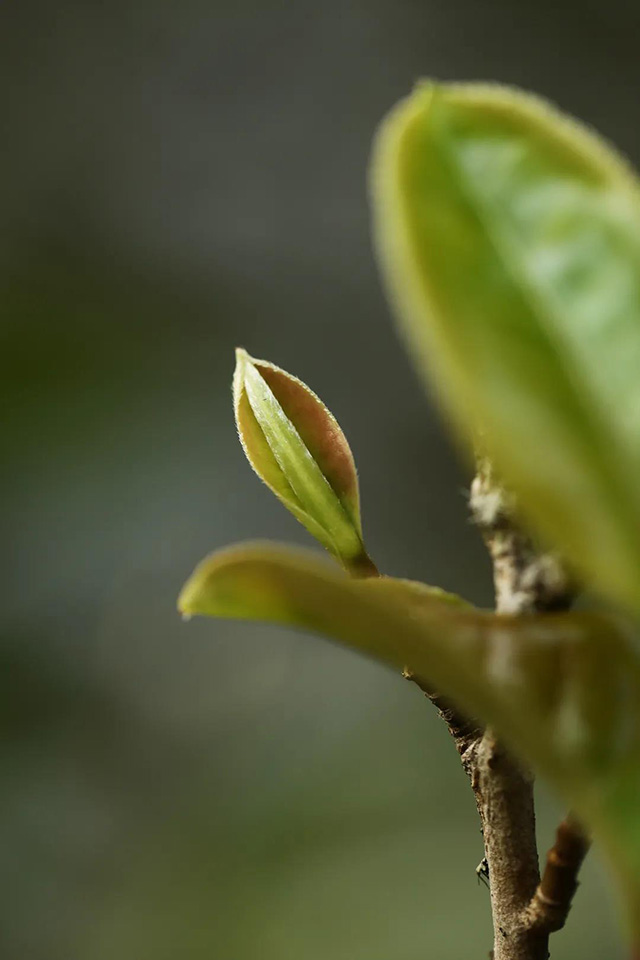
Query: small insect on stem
{"points": [[482, 872]]}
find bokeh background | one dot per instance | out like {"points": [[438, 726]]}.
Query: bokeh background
{"points": [[176, 179]]}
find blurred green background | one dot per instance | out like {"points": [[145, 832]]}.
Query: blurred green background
{"points": [[176, 179]]}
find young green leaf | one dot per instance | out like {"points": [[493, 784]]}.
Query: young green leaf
{"points": [[563, 690], [296, 446], [509, 237]]}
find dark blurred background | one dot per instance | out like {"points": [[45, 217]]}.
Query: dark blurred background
{"points": [[176, 179]]}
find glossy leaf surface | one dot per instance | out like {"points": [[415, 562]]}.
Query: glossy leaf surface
{"points": [[509, 236], [562, 690], [296, 446]]}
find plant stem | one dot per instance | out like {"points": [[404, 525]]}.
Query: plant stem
{"points": [[525, 909], [526, 581], [551, 902], [504, 794]]}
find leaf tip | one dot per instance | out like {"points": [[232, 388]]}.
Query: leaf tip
{"points": [[186, 597]]}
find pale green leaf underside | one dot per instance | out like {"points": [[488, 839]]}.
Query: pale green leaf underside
{"points": [[510, 239], [563, 690]]}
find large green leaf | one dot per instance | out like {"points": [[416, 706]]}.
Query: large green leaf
{"points": [[563, 690], [509, 236]]}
